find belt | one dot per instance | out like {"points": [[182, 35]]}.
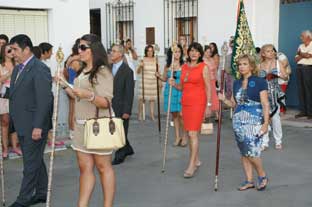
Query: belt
{"points": [[302, 65], [81, 121]]}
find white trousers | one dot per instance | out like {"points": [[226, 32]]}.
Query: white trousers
{"points": [[276, 126]]}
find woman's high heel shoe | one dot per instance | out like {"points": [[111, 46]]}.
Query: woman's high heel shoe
{"points": [[189, 174], [183, 142], [177, 142], [5, 154], [17, 151]]}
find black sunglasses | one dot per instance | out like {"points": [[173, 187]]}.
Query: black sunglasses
{"points": [[83, 47]]}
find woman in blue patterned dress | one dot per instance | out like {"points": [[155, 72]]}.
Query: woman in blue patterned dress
{"points": [[175, 104], [250, 120]]}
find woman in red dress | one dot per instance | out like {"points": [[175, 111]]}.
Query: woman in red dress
{"points": [[195, 86]]}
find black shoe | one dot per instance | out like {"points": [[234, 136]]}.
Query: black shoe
{"points": [[35, 200], [121, 154], [118, 160], [129, 151], [301, 114], [15, 204]]}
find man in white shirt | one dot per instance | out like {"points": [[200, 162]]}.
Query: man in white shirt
{"points": [[46, 49], [131, 57], [304, 74]]}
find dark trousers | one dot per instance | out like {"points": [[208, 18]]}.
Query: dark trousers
{"points": [[304, 81], [127, 148], [126, 126], [35, 177]]}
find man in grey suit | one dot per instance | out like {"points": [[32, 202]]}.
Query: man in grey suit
{"points": [[31, 106]]}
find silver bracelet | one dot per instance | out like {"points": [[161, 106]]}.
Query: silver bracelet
{"points": [[91, 99]]}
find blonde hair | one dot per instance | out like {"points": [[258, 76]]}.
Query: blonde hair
{"points": [[251, 60], [264, 47]]}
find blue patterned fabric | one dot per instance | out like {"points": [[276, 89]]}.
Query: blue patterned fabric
{"points": [[275, 92], [175, 105], [247, 122]]}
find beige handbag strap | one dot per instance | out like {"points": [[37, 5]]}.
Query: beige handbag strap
{"points": [[109, 110], [112, 126]]}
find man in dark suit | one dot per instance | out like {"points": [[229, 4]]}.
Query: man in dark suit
{"points": [[31, 106], [123, 97]]}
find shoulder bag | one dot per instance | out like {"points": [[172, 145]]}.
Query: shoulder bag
{"points": [[104, 133]]}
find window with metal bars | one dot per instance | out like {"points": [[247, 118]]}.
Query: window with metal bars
{"points": [[119, 21], [180, 21]]}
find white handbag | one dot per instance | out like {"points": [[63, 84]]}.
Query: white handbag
{"points": [[206, 127], [104, 133]]}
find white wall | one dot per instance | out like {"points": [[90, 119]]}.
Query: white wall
{"points": [[216, 20], [266, 24], [148, 13], [67, 19]]}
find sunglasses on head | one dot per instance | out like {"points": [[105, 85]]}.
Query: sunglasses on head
{"points": [[83, 47]]}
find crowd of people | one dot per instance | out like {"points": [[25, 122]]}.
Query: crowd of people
{"points": [[191, 78]]}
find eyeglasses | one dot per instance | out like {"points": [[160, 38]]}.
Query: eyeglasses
{"points": [[83, 47]]}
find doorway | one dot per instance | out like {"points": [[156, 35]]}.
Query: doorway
{"points": [[95, 22]]}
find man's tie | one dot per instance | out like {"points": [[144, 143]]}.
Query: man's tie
{"points": [[20, 70]]}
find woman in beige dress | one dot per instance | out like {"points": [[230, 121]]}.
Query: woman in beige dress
{"points": [[93, 84], [147, 67]]}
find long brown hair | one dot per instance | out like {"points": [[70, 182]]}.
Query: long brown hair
{"points": [[99, 55], [2, 55]]}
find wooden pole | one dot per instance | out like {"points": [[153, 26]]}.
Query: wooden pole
{"points": [[158, 95], [143, 95], [59, 59], [2, 169], [173, 49], [224, 53]]}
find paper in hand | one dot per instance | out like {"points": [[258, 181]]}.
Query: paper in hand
{"points": [[66, 83]]}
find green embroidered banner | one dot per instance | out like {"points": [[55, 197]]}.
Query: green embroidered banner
{"points": [[243, 43]]}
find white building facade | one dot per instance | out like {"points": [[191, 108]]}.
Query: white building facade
{"points": [[59, 22], [204, 20]]}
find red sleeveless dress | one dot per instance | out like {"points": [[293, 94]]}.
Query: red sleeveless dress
{"points": [[194, 97]]}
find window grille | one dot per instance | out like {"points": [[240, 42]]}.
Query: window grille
{"points": [[119, 21], [180, 19]]}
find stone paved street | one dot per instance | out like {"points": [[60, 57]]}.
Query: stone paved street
{"points": [[141, 184]]}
